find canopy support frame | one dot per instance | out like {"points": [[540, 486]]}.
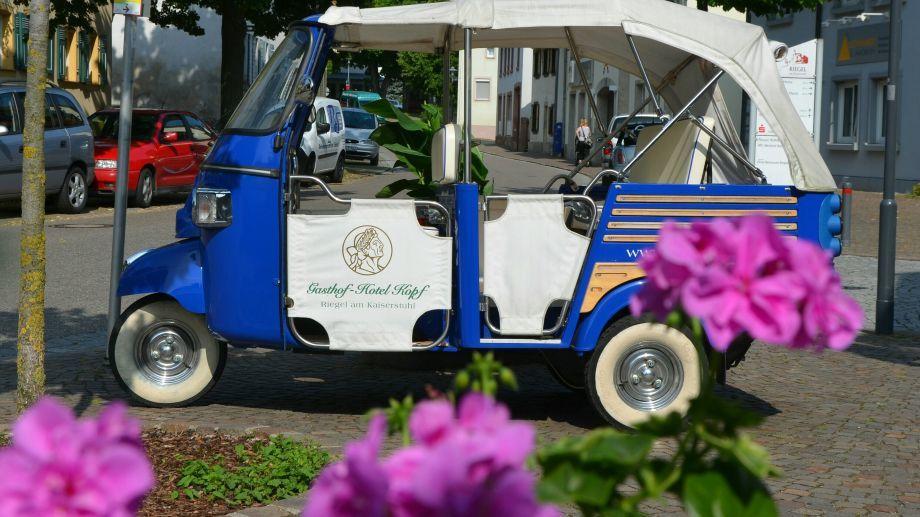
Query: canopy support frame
{"points": [[467, 105], [670, 77], [584, 82], [670, 123], [648, 84], [448, 114], [697, 121]]}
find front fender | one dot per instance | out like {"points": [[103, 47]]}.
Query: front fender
{"points": [[174, 270], [590, 328]]}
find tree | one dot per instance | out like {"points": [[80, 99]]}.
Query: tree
{"points": [[74, 14], [30, 361], [267, 17], [762, 7]]}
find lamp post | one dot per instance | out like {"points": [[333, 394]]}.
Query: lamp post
{"points": [[888, 209]]}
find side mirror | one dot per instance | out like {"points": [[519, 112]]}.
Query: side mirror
{"points": [[304, 92], [4, 130], [170, 137], [322, 128], [445, 154]]}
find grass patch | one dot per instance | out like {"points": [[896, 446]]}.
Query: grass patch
{"points": [[915, 192], [4, 439]]}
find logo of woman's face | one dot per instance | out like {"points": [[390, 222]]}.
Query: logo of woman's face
{"points": [[367, 250]]}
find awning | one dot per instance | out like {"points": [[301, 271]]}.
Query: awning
{"points": [[666, 34]]}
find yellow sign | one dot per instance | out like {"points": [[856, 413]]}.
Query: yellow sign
{"points": [[844, 54]]}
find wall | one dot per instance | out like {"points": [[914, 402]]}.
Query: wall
{"points": [[862, 161], [93, 93], [485, 68]]}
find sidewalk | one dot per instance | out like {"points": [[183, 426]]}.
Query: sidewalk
{"points": [[538, 158]]}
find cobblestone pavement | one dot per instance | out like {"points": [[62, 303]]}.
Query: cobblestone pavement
{"points": [[843, 427]]}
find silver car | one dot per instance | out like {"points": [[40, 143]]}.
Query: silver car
{"points": [[68, 146], [359, 125]]}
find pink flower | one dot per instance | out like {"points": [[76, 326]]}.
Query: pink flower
{"points": [[63, 466], [357, 485], [742, 276], [831, 318], [474, 464], [468, 463]]}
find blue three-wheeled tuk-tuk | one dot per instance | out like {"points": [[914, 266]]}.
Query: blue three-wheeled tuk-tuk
{"points": [[551, 271]]}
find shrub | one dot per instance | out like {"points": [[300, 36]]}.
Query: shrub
{"points": [[273, 470]]}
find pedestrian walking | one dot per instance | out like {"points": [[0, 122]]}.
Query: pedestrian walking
{"points": [[582, 141]]}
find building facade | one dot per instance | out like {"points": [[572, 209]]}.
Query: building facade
{"points": [[484, 65], [853, 38], [78, 60], [515, 88]]}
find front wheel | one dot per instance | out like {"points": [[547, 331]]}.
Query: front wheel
{"points": [[146, 185], [640, 369], [72, 198], [339, 172], [163, 355]]}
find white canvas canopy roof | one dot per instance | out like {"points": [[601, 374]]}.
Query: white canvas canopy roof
{"points": [[667, 36]]}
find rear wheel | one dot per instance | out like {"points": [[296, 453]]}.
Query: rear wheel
{"points": [[163, 355], [146, 186], [72, 198], [339, 172], [640, 369]]}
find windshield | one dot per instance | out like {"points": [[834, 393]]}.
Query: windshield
{"points": [[105, 125], [359, 120], [266, 102]]}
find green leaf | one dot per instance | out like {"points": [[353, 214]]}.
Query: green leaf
{"points": [[754, 457], [667, 426], [614, 447], [396, 187], [383, 108], [709, 494]]}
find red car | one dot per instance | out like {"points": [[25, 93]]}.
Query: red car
{"points": [[167, 149]]}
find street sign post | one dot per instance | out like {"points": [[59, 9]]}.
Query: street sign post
{"points": [[130, 10]]}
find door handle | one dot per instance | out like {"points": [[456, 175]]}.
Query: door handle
{"points": [[63, 143], [20, 149]]}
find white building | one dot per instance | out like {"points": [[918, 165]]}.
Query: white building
{"points": [[175, 70], [484, 64]]}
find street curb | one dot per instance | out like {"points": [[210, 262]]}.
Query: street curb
{"points": [[282, 508]]}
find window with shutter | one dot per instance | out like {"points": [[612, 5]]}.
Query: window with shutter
{"points": [[20, 41], [60, 36], [83, 57], [103, 63]]}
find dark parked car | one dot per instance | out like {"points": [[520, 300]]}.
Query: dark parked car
{"points": [[68, 146]]}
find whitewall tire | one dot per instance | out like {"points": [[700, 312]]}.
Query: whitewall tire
{"points": [[163, 355], [640, 369]]}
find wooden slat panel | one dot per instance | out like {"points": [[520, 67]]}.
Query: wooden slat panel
{"points": [[630, 238], [656, 225], [693, 212], [764, 200], [607, 276], [650, 238]]}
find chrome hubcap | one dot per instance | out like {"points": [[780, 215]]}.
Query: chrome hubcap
{"points": [[648, 376], [146, 188], [167, 353], [76, 190]]}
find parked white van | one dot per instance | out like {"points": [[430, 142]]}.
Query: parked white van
{"points": [[322, 148]]}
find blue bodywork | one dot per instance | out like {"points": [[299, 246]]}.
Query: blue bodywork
{"points": [[235, 275]]}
